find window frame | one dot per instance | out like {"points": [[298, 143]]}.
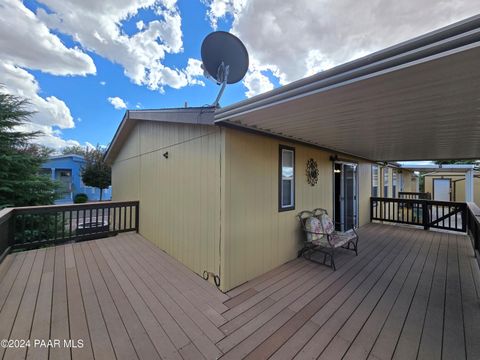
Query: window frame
{"points": [[280, 178], [385, 181], [394, 183], [375, 166]]}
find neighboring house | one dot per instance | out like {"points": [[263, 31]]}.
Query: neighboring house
{"points": [[66, 169], [451, 184], [388, 181], [224, 200]]}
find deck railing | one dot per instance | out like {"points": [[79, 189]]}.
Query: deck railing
{"points": [[33, 226], [473, 227], [446, 215]]}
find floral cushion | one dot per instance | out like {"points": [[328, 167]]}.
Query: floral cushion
{"points": [[313, 225], [327, 224], [340, 239]]}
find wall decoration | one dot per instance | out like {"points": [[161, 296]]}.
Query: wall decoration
{"points": [[312, 172]]}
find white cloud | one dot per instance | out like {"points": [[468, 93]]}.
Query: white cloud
{"points": [[193, 71], [89, 146], [141, 54], [257, 83], [294, 39], [117, 102], [140, 25], [219, 9], [49, 136], [27, 42], [103, 83], [50, 111]]}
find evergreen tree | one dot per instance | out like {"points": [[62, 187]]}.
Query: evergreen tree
{"points": [[96, 172], [21, 183]]}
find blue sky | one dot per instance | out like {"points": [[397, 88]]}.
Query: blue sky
{"points": [[95, 118], [75, 59]]}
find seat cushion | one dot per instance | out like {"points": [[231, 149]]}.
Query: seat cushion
{"points": [[327, 224], [339, 239], [313, 224]]}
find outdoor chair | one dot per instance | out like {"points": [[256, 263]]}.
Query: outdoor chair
{"points": [[321, 236]]}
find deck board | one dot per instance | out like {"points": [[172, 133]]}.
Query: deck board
{"points": [[408, 293]]}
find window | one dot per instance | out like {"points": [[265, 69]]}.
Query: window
{"points": [[394, 183], [286, 181], [374, 180], [385, 182]]}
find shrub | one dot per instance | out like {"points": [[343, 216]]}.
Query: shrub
{"points": [[80, 198]]}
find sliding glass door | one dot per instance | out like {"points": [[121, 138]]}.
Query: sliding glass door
{"points": [[345, 195]]}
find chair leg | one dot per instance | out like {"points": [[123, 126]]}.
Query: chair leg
{"points": [[332, 260]]}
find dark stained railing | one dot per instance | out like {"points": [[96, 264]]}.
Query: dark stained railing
{"points": [[33, 226], [473, 227], [6, 231], [446, 215]]}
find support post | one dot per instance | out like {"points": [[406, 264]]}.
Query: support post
{"points": [[469, 186]]}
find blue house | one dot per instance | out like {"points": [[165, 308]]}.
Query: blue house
{"points": [[67, 170]]}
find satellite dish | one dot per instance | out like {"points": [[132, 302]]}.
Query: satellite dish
{"points": [[224, 59]]}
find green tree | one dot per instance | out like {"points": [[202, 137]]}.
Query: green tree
{"points": [[96, 172], [21, 181], [74, 150]]}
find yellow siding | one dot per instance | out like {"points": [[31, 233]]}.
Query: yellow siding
{"points": [[126, 170], [257, 236], [179, 196]]}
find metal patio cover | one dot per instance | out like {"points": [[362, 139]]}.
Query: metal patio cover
{"points": [[419, 100]]}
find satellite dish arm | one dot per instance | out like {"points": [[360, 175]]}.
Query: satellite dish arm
{"points": [[222, 73]]}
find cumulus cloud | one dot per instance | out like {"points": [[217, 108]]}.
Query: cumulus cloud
{"points": [[218, 9], [193, 71], [97, 26], [293, 39], [117, 102], [50, 111], [257, 83], [27, 42]]}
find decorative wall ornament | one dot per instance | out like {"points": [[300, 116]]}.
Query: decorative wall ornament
{"points": [[312, 172]]}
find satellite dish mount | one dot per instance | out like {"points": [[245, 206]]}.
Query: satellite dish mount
{"points": [[224, 59]]}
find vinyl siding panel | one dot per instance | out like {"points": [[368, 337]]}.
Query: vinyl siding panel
{"points": [[179, 196], [126, 170], [257, 237]]}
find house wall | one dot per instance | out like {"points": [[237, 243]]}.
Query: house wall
{"points": [[408, 178], [182, 220], [458, 190], [74, 164], [257, 236]]}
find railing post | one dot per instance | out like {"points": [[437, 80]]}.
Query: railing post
{"points": [[425, 215], [464, 217], [11, 229], [371, 209], [137, 216]]}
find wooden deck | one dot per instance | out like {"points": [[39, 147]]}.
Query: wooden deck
{"points": [[408, 294]]}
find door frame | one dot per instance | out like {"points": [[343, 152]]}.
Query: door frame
{"points": [[356, 189]]}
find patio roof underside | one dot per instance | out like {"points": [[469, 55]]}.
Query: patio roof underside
{"points": [[426, 109]]}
